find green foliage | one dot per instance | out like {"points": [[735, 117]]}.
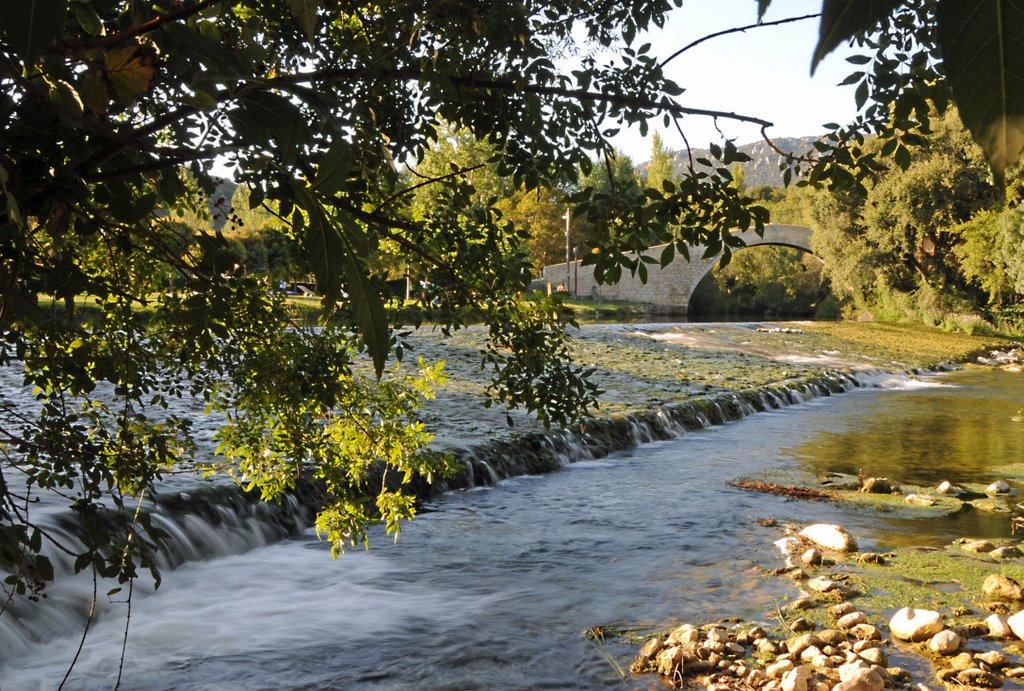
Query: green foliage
{"points": [[114, 113], [660, 167]]}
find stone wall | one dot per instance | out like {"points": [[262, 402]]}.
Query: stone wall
{"points": [[668, 290]]}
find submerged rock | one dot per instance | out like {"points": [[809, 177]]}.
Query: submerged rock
{"points": [[830, 536], [997, 487], [878, 485], [911, 624], [920, 500]]}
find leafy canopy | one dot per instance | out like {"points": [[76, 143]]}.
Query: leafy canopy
{"points": [[114, 112]]}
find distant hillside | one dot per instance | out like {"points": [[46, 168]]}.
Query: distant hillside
{"points": [[762, 169]]}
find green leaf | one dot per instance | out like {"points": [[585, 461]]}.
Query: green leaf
{"points": [[131, 70], [333, 170], [31, 25], [340, 250], [264, 117], [87, 18], [982, 45], [94, 92], [841, 20], [367, 303]]}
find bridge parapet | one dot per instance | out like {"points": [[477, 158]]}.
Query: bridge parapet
{"points": [[669, 289]]}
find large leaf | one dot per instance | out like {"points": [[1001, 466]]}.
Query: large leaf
{"points": [[982, 45], [338, 251], [265, 119], [367, 303], [31, 25], [841, 20], [131, 70]]}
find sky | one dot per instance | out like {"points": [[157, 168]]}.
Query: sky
{"points": [[763, 72]]}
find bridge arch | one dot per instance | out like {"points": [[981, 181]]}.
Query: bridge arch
{"points": [[669, 289]]}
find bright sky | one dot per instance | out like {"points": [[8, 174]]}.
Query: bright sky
{"points": [[763, 72]]}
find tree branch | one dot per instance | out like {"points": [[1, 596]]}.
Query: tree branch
{"points": [[734, 30], [144, 28], [482, 83]]}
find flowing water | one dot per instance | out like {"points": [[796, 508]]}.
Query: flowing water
{"points": [[493, 588]]}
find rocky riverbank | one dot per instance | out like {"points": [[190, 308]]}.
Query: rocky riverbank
{"points": [[844, 633], [836, 633]]}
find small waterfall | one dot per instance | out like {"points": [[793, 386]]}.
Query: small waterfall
{"points": [[544, 452], [211, 520]]}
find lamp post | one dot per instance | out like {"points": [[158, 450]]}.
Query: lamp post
{"points": [[568, 257]]}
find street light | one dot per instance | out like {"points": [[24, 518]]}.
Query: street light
{"points": [[568, 257]]}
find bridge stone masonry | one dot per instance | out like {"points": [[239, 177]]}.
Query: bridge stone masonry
{"points": [[668, 290]]}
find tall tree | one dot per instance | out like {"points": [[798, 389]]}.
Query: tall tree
{"points": [[660, 168]]}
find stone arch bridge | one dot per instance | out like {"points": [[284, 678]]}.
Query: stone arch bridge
{"points": [[669, 289]]}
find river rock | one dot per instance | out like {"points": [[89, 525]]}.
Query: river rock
{"points": [[911, 624], [797, 645], [797, 679], [811, 557], [687, 635], [1002, 587], [876, 656], [843, 608], [993, 658], [878, 485], [779, 669], [832, 637], [848, 621], [718, 635], [945, 642], [997, 487], [1016, 624], [997, 626], [961, 662], [920, 500], [866, 632], [864, 679], [979, 677], [830, 536], [671, 660], [821, 584], [1006, 552], [651, 648], [945, 487], [978, 546]]}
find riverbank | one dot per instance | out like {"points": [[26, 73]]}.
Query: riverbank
{"points": [[669, 368]]}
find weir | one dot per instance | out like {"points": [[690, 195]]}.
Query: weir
{"points": [[216, 519]]}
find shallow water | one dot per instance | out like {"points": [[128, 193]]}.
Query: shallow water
{"points": [[493, 588]]}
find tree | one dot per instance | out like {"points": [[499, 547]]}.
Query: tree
{"points": [[660, 167], [110, 107], [901, 236], [541, 214]]}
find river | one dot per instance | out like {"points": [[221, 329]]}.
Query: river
{"points": [[493, 588]]}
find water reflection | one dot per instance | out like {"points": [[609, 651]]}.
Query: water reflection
{"points": [[962, 432]]}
